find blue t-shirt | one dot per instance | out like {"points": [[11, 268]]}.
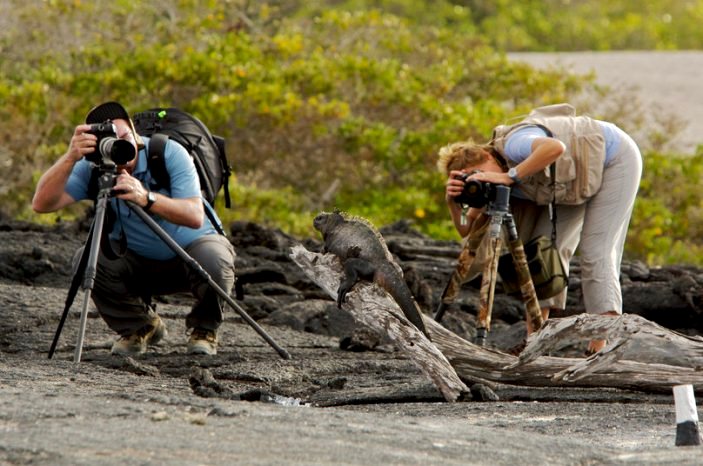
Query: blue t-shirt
{"points": [[140, 238], [519, 144]]}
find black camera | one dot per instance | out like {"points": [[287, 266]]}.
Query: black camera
{"points": [[109, 147], [475, 193]]}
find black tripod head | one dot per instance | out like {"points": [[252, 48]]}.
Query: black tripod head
{"points": [[499, 210], [500, 202], [107, 178]]}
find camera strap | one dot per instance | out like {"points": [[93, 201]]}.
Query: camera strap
{"points": [[553, 205], [464, 212], [553, 175], [106, 244]]}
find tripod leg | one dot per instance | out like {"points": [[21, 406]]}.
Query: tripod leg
{"points": [[87, 265], [81, 328], [73, 290], [464, 263], [200, 271], [488, 285], [91, 271], [466, 259], [533, 313]]}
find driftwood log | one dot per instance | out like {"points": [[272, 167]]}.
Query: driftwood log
{"points": [[373, 307], [609, 368], [640, 355]]}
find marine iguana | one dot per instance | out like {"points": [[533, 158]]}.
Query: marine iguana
{"points": [[364, 254]]}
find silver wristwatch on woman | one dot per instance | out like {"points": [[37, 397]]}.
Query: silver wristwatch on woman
{"points": [[512, 173]]}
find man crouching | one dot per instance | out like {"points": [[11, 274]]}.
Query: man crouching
{"points": [[125, 282]]}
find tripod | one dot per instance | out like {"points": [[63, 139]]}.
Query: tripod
{"points": [[87, 266], [499, 212]]}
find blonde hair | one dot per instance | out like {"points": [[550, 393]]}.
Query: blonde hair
{"points": [[459, 155]]}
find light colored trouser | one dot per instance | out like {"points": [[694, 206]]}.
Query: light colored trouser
{"points": [[598, 228], [124, 286]]}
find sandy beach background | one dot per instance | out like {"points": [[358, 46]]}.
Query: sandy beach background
{"points": [[668, 82]]}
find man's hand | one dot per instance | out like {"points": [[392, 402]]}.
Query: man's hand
{"points": [[188, 212], [129, 188], [82, 143]]}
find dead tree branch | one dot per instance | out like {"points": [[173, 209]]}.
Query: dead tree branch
{"points": [[374, 308], [640, 355]]}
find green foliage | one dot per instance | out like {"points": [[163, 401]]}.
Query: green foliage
{"points": [[554, 25], [668, 216], [274, 208], [323, 104]]}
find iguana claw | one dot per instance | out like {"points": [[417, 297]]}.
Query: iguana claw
{"points": [[341, 294]]}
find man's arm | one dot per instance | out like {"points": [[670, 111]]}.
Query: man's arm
{"points": [[181, 211], [184, 205], [50, 194], [187, 212]]}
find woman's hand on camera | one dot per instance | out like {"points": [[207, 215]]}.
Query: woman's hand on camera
{"points": [[454, 185], [82, 143], [492, 177]]}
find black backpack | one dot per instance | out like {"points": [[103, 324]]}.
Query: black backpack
{"points": [[207, 150]]}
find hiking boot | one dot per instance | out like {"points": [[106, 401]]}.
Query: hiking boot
{"points": [[134, 344], [202, 341], [595, 346]]}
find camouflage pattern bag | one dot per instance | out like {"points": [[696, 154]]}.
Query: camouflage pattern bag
{"points": [[546, 269]]}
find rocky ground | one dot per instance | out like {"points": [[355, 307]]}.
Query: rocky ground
{"points": [[343, 397]]}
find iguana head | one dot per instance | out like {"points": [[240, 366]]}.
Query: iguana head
{"points": [[325, 221]]}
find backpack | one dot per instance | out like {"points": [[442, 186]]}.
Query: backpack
{"points": [[207, 150]]}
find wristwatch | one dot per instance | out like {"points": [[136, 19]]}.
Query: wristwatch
{"points": [[512, 173], [150, 199]]}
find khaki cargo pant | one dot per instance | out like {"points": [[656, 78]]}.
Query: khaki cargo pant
{"points": [[125, 285]]}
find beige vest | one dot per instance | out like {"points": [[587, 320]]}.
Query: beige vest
{"points": [[579, 170]]}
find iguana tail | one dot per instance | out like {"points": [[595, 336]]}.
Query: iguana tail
{"points": [[395, 285]]}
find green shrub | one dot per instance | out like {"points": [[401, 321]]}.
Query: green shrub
{"points": [[322, 107]]}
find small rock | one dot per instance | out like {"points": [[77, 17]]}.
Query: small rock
{"points": [[159, 416], [481, 392]]}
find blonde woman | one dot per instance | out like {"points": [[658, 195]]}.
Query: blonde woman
{"points": [[598, 170]]}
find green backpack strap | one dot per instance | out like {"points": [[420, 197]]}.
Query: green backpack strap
{"points": [[226, 170]]}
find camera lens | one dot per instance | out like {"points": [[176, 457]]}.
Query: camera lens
{"points": [[473, 188], [117, 150], [475, 193]]}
